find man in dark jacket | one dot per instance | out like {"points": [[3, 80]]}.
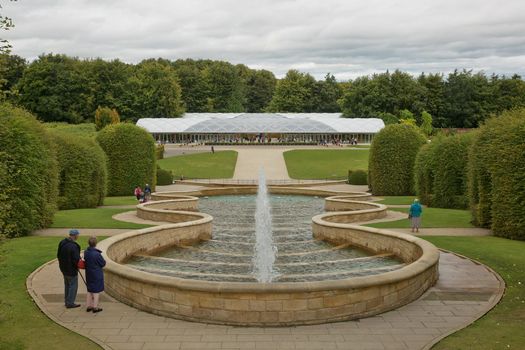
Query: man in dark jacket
{"points": [[68, 256]]}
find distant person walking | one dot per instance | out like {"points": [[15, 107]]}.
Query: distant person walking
{"points": [[138, 192], [212, 150], [94, 275], [147, 193], [414, 215], [68, 255]]}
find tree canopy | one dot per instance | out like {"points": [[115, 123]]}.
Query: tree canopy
{"points": [[61, 88]]}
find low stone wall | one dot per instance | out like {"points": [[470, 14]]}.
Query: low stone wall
{"points": [[270, 304], [232, 190]]}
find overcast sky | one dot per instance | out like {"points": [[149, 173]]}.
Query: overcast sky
{"points": [[346, 37]]}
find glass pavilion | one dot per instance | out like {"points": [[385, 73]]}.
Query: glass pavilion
{"points": [[251, 128]]}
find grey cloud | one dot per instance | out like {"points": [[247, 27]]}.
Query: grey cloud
{"points": [[345, 37]]}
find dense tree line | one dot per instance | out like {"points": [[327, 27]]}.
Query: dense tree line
{"points": [[461, 100], [62, 88]]}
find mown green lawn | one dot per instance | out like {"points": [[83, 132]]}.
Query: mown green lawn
{"points": [[396, 200], [504, 326], [431, 218], [325, 164], [121, 200], [218, 165], [92, 218], [22, 325]]}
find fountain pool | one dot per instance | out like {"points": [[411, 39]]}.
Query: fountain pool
{"points": [[228, 255], [326, 269]]}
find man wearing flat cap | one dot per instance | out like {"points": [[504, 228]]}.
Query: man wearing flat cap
{"points": [[68, 256]]}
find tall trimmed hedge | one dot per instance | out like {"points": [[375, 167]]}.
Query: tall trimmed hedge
{"points": [[479, 181], [82, 171], [450, 173], [28, 173], [441, 172], [424, 173], [391, 162], [130, 152], [497, 174]]}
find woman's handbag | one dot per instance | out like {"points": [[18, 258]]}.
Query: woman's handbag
{"points": [[81, 265]]}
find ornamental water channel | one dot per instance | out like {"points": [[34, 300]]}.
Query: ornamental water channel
{"points": [[264, 238]]}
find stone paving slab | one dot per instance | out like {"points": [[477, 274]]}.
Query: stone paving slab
{"points": [[465, 291]]}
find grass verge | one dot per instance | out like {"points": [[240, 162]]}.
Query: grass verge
{"points": [[501, 328], [218, 165], [92, 218], [432, 218], [22, 325], [324, 164]]}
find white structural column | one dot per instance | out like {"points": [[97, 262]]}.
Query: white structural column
{"points": [[251, 159]]}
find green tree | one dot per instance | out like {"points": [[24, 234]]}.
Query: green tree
{"points": [[158, 93], [381, 93], [261, 87], [388, 118], [105, 116], [294, 93], [508, 93], [109, 86], [56, 88], [226, 92], [406, 117], [327, 93], [467, 99], [12, 68], [193, 84], [432, 95]]}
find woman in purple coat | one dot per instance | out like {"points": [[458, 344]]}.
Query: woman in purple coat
{"points": [[94, 275]]}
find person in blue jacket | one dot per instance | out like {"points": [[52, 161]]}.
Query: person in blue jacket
{"points": [[94, 275], [415, 215]]}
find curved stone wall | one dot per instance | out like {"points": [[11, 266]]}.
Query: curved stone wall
{"points": [[367, 210], [162, 210], [270, 304]]}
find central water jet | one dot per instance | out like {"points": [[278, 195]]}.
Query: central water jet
{"points": [[264, 249]]}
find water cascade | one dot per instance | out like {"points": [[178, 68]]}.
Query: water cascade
{"points": [[264, 249]]}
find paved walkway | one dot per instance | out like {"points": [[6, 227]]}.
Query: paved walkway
{"points": [[465, 291], [251, 159]]}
